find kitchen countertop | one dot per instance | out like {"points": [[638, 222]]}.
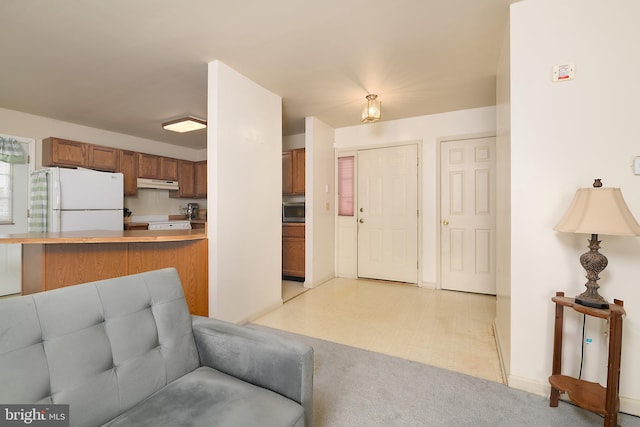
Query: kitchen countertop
{"points": [[104, 236]]}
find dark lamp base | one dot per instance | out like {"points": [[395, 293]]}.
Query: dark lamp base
{"points": [[591, 303]]}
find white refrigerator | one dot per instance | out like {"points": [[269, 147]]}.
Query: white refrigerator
{"points": [[83, 199]]}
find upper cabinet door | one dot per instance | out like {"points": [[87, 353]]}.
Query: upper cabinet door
{"points": [[128, 165], [103, 158], [169, 169], [293, 171], [149, 166], [200, 179], [287, 173], [63, 152], [298, 171]]}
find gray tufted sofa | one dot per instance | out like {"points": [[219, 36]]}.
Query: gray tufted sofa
{"points": [[126, 352]]}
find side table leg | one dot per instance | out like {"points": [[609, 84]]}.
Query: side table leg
{"points": [[557, 351], [612, 402]]}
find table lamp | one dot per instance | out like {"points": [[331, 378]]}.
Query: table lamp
{"points": [[596, 211]]}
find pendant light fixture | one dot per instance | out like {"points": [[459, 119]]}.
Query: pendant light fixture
{"points": [[371, 112]]}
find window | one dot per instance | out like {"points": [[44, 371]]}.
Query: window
{"points": [[345, 185], [6, 211]]}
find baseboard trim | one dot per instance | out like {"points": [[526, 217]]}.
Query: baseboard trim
{"points": [[503, 368], [260, 313], [428, 285], [627, 405]]}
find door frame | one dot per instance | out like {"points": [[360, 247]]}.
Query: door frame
{"points": [[353, 151], [439, 142]]}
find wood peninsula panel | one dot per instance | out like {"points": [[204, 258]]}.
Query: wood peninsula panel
{"points": [[48, 263], [56, 266], [189, 258]]}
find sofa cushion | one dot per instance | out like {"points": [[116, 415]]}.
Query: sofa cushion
{"points": [[100, 347], [207, 397], [24, 374]]}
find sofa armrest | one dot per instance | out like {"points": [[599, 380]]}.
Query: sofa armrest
{"points": [[266, 360]]}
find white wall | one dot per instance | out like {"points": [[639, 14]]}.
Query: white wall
{"points": [[428, 129], [320, 195], [291, 142], [38, 127], [244, 203], [147, 202], [503, 206], [563, 135]]}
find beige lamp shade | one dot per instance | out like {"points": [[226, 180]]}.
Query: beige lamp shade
{"points": [[599, 211]]}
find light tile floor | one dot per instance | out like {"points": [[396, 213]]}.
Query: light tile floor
{"points": [[451, 330], [291, 289]]}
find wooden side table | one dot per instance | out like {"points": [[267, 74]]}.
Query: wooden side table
{"points": [[589, 395]]}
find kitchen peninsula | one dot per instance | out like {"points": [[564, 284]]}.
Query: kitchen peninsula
{"points": [[55, 260]]}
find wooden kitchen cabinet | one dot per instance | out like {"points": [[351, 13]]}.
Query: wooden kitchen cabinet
{"points": [[186, 180], [128, 166], [200, 179], [169, 169], [293, 253], [149, 165], [293, 171], [63, 152], [102, 158], [157, 167]]}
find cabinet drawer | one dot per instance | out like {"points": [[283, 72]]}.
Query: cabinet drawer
{"points": [[293, 230]]}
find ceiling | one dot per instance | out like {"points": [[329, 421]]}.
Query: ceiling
{"points": [[127, 66]]}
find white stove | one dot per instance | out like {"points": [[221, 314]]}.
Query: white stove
{"points": [[161, 222], [170, 225]]}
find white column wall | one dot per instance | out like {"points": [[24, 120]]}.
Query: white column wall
{"points": [[319, 195], [563, 135], [244, 196], [503, 206]]}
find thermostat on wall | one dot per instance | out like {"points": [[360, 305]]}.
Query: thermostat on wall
{"points": [[636, 166], [563, 72]]}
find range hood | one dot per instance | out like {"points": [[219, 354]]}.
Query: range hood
{"points": [[160, 184]]}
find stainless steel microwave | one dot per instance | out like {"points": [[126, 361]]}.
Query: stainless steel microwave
{"points": [[293, 212]]}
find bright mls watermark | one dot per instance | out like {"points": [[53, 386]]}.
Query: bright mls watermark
{"points": [[34, 415]]}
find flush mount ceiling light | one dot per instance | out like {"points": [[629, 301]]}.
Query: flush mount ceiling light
{"points": [[371, 112], [185, 124]]}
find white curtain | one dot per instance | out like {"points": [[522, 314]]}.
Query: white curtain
{"points": [[11, 151]]}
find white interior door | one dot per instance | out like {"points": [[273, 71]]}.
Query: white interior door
{"points": [[11, 254], [468, 215], [388, 213]]}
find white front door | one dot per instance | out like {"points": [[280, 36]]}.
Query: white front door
{"points": [[468, 215], [387, 212], [11, 254]]}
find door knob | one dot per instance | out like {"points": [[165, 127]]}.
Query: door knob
{"points": [[361, 209], [445, 222], [361, 221]]}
